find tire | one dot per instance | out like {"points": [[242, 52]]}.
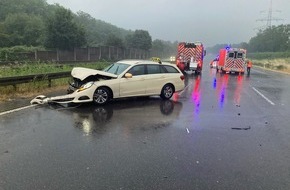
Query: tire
{"points": [[167, 91], [101, 96]]}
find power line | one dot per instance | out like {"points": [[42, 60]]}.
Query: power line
{"points": [[269, 19]]}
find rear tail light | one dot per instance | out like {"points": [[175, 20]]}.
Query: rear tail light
{"points": [[199, 63], [182, 77]]}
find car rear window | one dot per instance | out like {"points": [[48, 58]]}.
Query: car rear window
{"points": [[170, 69]]}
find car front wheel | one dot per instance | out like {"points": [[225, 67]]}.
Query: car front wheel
{"points": [[167, 91], [101, 96]]}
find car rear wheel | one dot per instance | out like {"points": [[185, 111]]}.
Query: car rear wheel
{"points": [[101, 95], [167, 91]]}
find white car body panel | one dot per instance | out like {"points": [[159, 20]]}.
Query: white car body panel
{"points": [[132, 86]]}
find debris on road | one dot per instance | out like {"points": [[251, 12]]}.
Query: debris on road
{"points": [[241, 128]]}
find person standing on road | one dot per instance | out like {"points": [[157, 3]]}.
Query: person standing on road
{"points": [[249, 66]]}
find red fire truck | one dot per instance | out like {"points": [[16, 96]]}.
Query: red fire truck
{"points": [[232, 60], [189, 57]]}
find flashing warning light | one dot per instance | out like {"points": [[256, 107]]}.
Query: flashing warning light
{"points": [[228, 47]]}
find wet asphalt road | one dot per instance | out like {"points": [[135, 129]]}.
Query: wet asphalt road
{"points": [[223, 132]]}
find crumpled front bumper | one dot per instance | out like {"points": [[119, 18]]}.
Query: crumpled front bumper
{"points": [[74, 97], [41, 99]]}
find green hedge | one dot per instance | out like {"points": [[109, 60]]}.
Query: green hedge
{"points": [[269, 55], [271, 66]]}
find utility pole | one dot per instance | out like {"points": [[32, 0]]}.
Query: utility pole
{"points": [[270, 17]]}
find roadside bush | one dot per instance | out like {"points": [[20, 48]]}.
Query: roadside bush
{"points": [[258, 64], [28, 68], [269, 55], [268, 65], [281, 67]]}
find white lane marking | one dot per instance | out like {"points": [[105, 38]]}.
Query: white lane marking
{"points": [[15, 110], [187, 130], [263, 96]]}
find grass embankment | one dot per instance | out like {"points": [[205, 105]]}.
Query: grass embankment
{"points": [[279, 64], [33, 88]]}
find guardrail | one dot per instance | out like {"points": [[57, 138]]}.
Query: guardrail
{"points": [[33, 78]]}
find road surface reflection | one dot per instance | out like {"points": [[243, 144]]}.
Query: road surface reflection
{"points": [[225, 83], [143, 114]]}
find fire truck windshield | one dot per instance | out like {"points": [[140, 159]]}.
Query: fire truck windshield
{"points": [[189, 45]]}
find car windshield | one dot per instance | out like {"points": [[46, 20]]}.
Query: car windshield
{"points": [[116, 68]]}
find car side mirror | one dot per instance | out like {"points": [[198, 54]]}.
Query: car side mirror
{"points": [[128, 75]]}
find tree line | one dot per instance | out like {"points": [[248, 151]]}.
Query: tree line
{"points": [[271, 39], [35, 23]]}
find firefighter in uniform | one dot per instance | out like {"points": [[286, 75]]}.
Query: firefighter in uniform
{"points": [[249, 66]]}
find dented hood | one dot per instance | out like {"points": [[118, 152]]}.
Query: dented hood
{"points": [[82, 73]]}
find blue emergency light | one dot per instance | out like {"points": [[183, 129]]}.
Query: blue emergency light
{"points": [[228, 47]]}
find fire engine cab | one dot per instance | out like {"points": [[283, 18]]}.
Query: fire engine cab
{"points": [[189, 57], [232, 60]]}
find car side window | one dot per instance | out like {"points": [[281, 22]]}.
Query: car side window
{"points": [[170, 69], [155, 69], [137, 70]]}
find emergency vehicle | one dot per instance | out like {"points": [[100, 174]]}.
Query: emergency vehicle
{"points": [[232, 60], [190, 56]]}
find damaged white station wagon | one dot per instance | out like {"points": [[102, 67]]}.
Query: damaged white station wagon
{"points": [[126, 78]]}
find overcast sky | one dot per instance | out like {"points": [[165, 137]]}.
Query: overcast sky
{"points": [[209, 21]]}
